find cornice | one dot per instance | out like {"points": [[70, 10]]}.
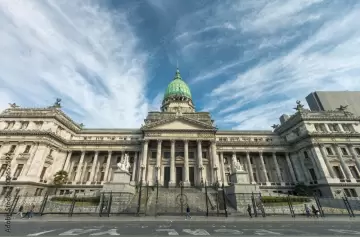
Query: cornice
{"points": [[68, 142], [179, 131], [251, 144], [151, 125]]}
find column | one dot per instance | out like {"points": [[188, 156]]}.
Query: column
{"points": [[158, 160], [250, 169], [78, 170], [216, 161], [263, 167], [327, 164], [278, 172], [233, 158], [133, 177], [68, 158], [186, 163], [200, 161], [345, 167], [291, 169], [296, 164], [108, 161], [144, 159], [93, 168], [172, 165], [308, 178], [222, 167], [355, 157]]}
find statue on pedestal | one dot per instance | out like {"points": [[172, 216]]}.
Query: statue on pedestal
{"points": [[124, 164], [237, 166]]}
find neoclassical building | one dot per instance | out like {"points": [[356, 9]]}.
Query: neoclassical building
{"points": [[319, 149]]}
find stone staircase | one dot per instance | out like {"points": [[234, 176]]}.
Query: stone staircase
{"points": [[169, 201]]}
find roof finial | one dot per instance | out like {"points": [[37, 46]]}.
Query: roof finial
{"points": [[177, 64]]}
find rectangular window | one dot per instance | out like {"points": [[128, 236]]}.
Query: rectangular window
{"points": [[179, 153], [191, 155], [357, 150], [50, 152], [88, 176], [338, 172], [344, 151], [313, 174], [167, 155], [329, 151], [102, 176], [347, 192], [3, 169], [306, 154], [153, 154], [204, 154], [354, 172], [12, 149], [251, 160], [353, 193], [43, 173], [18, 170], [27, 149]]}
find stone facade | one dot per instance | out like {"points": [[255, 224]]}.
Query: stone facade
{"points": [[319, 149]]}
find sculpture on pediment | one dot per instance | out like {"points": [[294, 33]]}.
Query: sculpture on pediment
{"points": [[275, 126], [299, 107], [81, 125], [344, 109], [124, 164], [13, 105]]}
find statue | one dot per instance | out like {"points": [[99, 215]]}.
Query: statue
{"points": [[81, 125], [275, 126], [124, 164], [299, 107], [342, 108], [236, 164], [13, 105], [57, 103]]}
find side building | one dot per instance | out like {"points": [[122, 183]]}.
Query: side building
{"points": [[178, 144]]}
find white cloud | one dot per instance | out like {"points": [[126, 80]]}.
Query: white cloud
{"points": [[75, 50]]}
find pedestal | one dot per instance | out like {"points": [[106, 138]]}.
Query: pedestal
{"points": [[120, 183], [241, 183], [239, 177]]}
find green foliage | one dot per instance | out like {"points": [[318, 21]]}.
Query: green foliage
{"points": [[60, 178], [269, 199], [77, 199]]}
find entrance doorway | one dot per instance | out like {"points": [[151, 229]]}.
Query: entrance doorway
{"points": [[166, 176], [179, 175], [191, 176]]}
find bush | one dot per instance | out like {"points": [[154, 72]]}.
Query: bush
{"points": [[268, 199], [77, 199]]}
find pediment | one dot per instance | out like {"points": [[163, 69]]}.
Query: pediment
{"points": [[178, 124]]}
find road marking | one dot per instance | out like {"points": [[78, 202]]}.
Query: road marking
{"points": [[109, 232], [78, 231], [196, 232], [264, 232], [229, 231], [170, 231], [351, 232], [41, 233]]}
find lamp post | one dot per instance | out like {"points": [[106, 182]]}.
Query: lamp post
{"points": [[140, 190]]}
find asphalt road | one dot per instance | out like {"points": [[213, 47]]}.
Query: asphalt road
{"points": [[181, 228]]}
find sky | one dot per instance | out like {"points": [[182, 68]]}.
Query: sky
{"points": [[246, 62]]}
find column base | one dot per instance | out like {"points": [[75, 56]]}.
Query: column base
{"points": [[187, 184], [172, 184]]}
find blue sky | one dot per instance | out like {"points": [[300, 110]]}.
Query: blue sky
{"points": [[246, 62]]}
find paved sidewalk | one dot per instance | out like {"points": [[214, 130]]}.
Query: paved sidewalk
{"points": [[79, 218]]}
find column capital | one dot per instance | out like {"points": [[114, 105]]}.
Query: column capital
{"points": [[186, 141], [159, 141], [234, 153], [96, 152], [110, 152], [172, 141], [260, 153], [146, 141], [274, 153], [199, 141]]}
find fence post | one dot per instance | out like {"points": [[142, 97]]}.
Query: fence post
{"points": [[109, 205], [14, 203], [206, 198], [72, 205], [157, 197], [317, 200], [253, 204], [224, 197], [139, 199], [348, 206], [43, 204], [290, 206], [102, 198]]}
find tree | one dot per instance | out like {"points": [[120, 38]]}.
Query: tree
{"points": [[60, 178]]}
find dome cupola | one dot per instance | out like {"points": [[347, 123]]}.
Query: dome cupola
{"points": [[177, 96]]}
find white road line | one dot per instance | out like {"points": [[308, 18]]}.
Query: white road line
{"points": [[78, 231], [41, 233], [170, 231], [196, 232], [108, 232], [351, 232]]}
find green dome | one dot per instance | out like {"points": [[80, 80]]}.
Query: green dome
{"points": [[177, 88]]}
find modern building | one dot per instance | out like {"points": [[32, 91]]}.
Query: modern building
{"points": [[332, 100], [319, 149]]}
